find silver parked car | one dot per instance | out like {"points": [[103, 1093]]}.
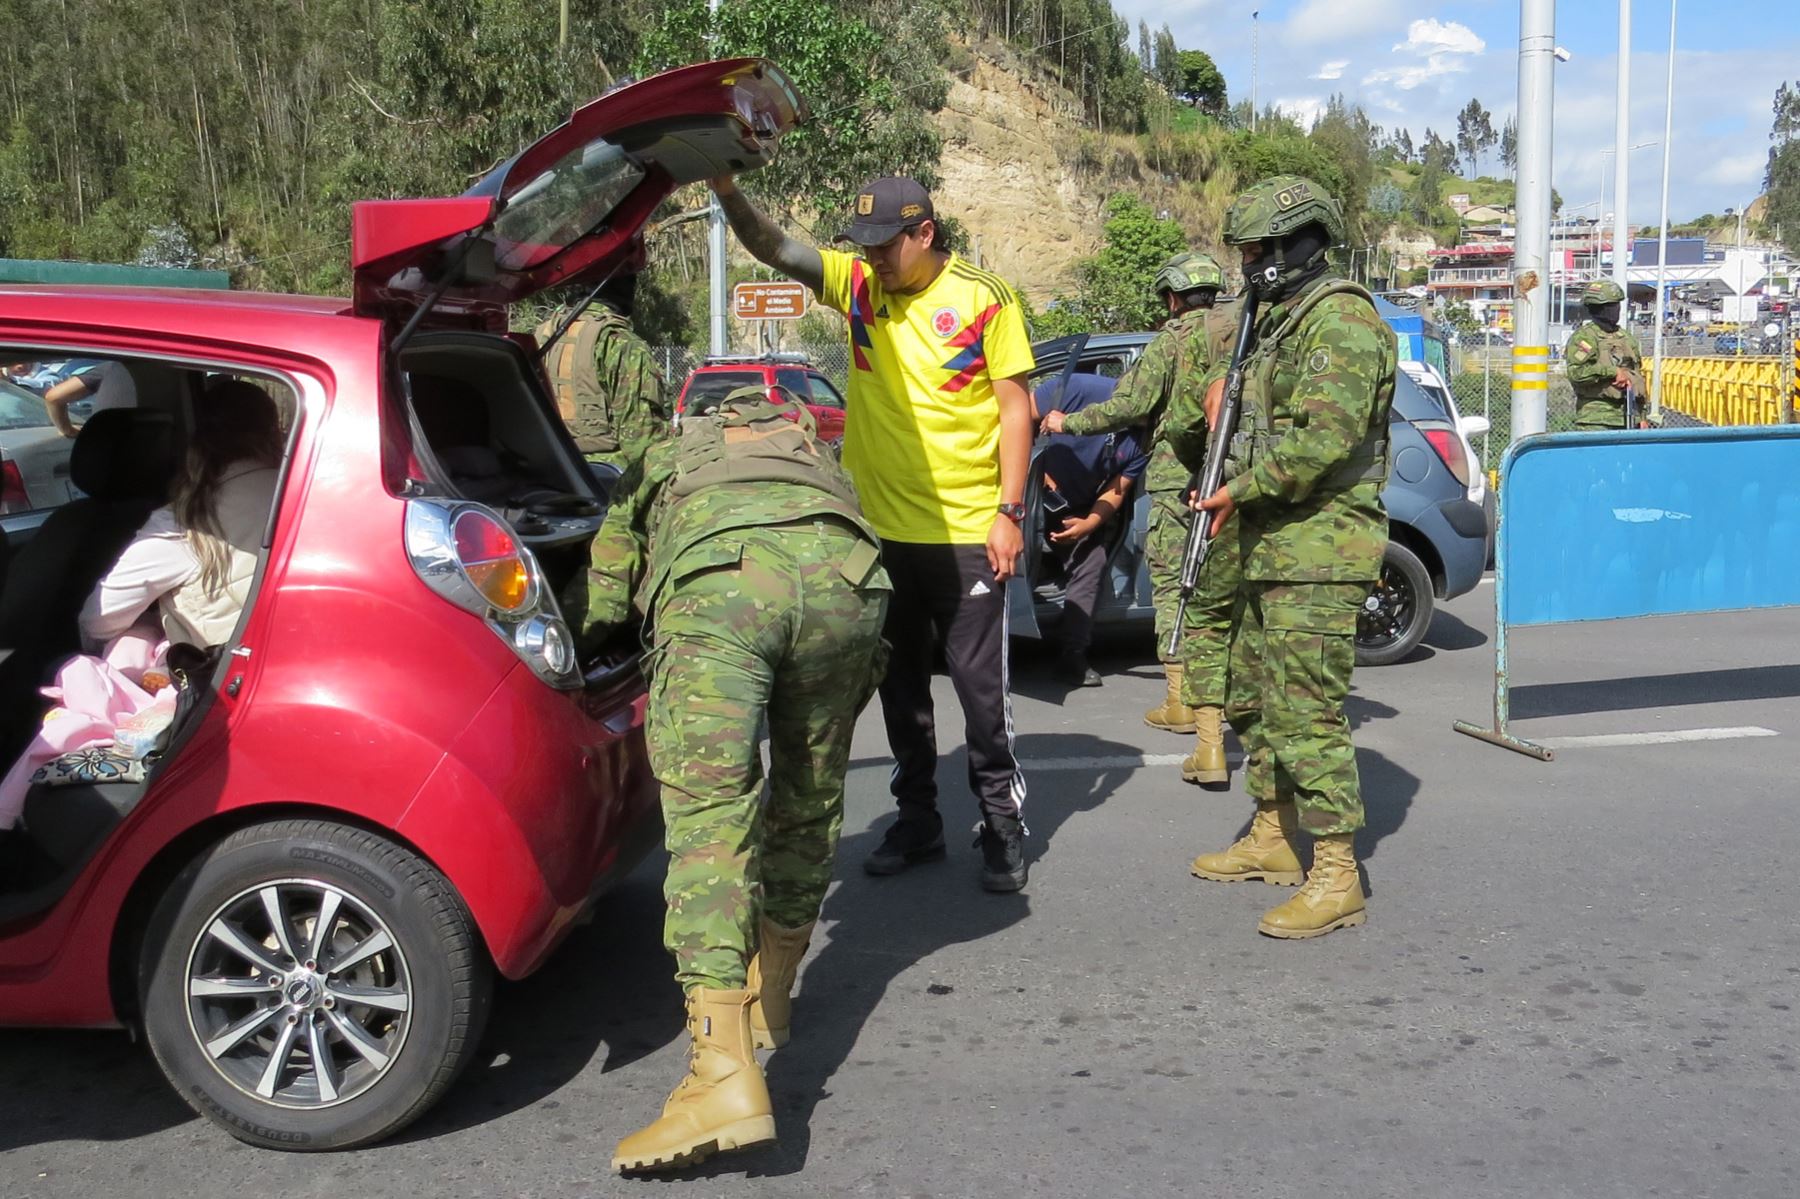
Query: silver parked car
{"points": [[34, 457]]}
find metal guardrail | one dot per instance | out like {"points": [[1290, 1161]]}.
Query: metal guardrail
{"points": [[1726, 391]]}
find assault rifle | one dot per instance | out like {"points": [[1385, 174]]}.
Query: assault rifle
{"points": [[1211, 475]]}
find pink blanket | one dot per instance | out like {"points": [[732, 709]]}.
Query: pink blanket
{"points": [[94, 695]]}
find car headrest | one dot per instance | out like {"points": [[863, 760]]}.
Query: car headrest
{"points": [[124, 454]]}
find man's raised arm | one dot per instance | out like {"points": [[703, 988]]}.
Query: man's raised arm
{"points": [[765, 239]]}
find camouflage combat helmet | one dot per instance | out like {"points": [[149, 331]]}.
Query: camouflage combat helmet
{"points": [[1273, 212], [1601, 292], [1190, 271], [1278, 206]]}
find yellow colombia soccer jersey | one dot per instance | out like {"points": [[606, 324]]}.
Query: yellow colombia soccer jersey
{"points": [[922, 430]]}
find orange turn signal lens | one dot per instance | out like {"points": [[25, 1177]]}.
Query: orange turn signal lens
{"points": [[490, 557]]}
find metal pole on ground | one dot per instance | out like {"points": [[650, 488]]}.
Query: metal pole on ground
{"points": [[715, 266], [1531, 249], [1662, 230], [1623, 147]]}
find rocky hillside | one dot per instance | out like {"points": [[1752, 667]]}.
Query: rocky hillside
{"points": [[1027, 178]]}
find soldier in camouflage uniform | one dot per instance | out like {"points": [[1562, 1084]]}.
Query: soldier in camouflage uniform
{"points": [[608, 387], [742, 543], [1196, 338], [1309, 460], [1603, 360]]}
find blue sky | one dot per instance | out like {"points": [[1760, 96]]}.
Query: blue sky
{"points": [[1415, 64]]}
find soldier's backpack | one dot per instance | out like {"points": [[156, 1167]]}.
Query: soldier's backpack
{"points": [[750, 439], [570, 363]]}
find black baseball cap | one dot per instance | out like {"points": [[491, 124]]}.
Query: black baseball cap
{"points": [[883, 208]]}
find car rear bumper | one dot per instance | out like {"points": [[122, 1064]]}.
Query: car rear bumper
{"points": [[544, 796], [1458, 531]]}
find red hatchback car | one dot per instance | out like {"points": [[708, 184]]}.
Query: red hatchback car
{"points": [[717, 378], [398, 776]]}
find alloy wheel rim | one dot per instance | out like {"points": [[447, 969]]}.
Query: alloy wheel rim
{"points": [[1388, 611], [298, 994]]}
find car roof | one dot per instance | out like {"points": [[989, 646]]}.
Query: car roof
{"points": [[102, 315]]}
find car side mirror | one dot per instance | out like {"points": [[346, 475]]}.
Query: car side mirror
{"points": [[1474, 426]]}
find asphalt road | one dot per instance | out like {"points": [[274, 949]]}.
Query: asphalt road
{"points": [[1578, 978]]}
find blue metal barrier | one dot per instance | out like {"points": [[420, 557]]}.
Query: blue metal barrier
{"points": [[1603, 526]]}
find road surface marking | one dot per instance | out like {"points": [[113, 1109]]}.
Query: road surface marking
{"points": [[1606, 740], [1117, 762]]}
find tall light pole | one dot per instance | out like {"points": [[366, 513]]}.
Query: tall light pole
{"points": [[1255, 30], [715, 266], [1622, 143], [1531, 248], [1662, 231]]}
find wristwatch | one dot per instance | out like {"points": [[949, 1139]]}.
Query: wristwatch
{"points": [[1013, 512]]}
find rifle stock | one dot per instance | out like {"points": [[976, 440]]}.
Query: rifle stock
{"points": [[1211, 475]]}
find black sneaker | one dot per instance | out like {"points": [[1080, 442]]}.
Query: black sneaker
{"points": [[906, 843], [1001, 840], [1073, 670]]}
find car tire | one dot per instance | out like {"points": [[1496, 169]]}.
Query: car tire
{"points": [[1398, 611], [392, 996]]}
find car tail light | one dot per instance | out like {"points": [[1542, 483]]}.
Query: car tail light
{"points": [[1449, 446], [492, 559], [470, 557], [12, 489]]}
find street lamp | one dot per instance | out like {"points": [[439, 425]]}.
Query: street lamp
{"points": [[1618, 224]]}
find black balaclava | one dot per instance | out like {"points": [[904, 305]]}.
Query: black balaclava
{"points": [[1605, 315], [619, 293], [1300, 260], [1200, 297]]}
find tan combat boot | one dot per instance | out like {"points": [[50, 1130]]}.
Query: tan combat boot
{"points": [[772, 971], [1265, 852], [1171, 714], [1331, 899], [1206, 765], [723, 1102]]}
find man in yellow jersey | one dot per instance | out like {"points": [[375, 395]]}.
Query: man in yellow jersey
{"points": [[937, 437]]}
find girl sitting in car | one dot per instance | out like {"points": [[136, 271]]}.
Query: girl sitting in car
{"points": [[192, 562]]}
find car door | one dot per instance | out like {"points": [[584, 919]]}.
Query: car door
{"points": [[827, 407]]}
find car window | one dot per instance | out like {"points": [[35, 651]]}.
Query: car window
{"points": [[706, 388], [22, 409], [798, 382], [824, 393]]}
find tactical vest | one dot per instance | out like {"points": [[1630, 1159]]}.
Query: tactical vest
{"points": [[721, 458], [580, 398], [1258, 429]]}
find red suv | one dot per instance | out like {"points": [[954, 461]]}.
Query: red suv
{"points": [[397, 777], [718, 377]]}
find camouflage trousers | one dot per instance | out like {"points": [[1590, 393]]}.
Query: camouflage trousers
{"points": [[1291, 658], [1206, 639], [777, 639], [1599, 414]]}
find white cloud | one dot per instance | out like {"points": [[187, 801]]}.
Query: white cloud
{"points": [[1333, 69], [1339, 20], [1446, 47], [1434, 37], [1407, 78], [1304, 109]]}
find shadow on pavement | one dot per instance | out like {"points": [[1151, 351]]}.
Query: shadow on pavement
{"points": [[875, 929], [1447, 632], [1655, 691], [1387, 794], [611, 984], [81, 1086]]}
